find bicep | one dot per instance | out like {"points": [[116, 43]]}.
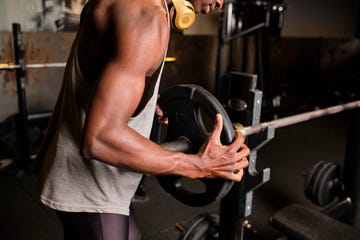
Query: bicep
{"points": [[121, 85], [118, 91], [116, 96]]}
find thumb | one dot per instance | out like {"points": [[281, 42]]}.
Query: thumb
{"points": [[218, 125]]}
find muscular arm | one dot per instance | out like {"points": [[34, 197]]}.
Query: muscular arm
{"points": [[141, 44]]}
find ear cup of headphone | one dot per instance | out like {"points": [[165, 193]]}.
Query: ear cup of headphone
{"points": [[182, 15]]}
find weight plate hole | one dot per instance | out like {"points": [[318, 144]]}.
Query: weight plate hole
{"points": [[192, 185], [206, 121]]}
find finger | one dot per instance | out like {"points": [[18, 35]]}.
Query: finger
{"points": [[159, 111], [243, 163], [244, 150], [232, 165], [237, 143], [218, 125], [239, 133], [240, 136], [163, 120], [242, 154], [237, 175]]}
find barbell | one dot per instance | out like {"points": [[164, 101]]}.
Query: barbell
{"points": [[191, 111], [12, 66]]}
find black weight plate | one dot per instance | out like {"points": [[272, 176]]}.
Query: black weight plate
{"points": [[317, 180], [196, 229], [325, 183], [310, 178], [191, 112], [203, 227]]}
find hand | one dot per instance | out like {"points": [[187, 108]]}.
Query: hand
{"points": [[221, 161], [162, 118]]}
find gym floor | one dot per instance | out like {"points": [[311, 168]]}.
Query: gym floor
{"points": [[293, 151]]}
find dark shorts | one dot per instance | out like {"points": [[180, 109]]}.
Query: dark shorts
{"points": [[98, 226]]}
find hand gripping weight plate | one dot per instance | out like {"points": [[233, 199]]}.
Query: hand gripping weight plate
{"points": [[191, 112]]}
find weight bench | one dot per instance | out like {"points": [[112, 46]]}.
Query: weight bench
{"points": [[299, 222]]}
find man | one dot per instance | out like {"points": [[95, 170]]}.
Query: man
{"points": [[96, 146]]}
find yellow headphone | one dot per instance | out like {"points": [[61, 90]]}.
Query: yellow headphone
{"points": [[182, 14]]}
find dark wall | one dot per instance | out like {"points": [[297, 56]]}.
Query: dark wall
{"points": [[195, 61], [315, 71]]}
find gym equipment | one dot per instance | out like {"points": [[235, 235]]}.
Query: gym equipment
{"points": [[203, 227], [237, 204], [22, 125], [191, 110], [351, 172], [300, 222], [337, 219], [323, 184], [8, 133], [286, 121], [239, 17], [11, 66]]}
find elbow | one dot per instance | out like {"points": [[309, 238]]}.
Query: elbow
{"points": [[88, 148]]}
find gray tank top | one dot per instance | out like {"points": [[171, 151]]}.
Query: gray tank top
{"points": [[68, 182]]}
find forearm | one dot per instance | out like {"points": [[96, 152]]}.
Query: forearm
{"points": [[127, 148]]}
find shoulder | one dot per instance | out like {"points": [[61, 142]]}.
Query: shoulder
{"points": [[132, 32], [145, 16], [121, 15], [142, 26]]}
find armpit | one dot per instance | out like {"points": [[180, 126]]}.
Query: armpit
{"points": [[150, 83]]}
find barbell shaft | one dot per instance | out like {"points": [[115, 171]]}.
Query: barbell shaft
{"points": [[286, 121], [11, 66], [183, 145], [179, 145]]}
